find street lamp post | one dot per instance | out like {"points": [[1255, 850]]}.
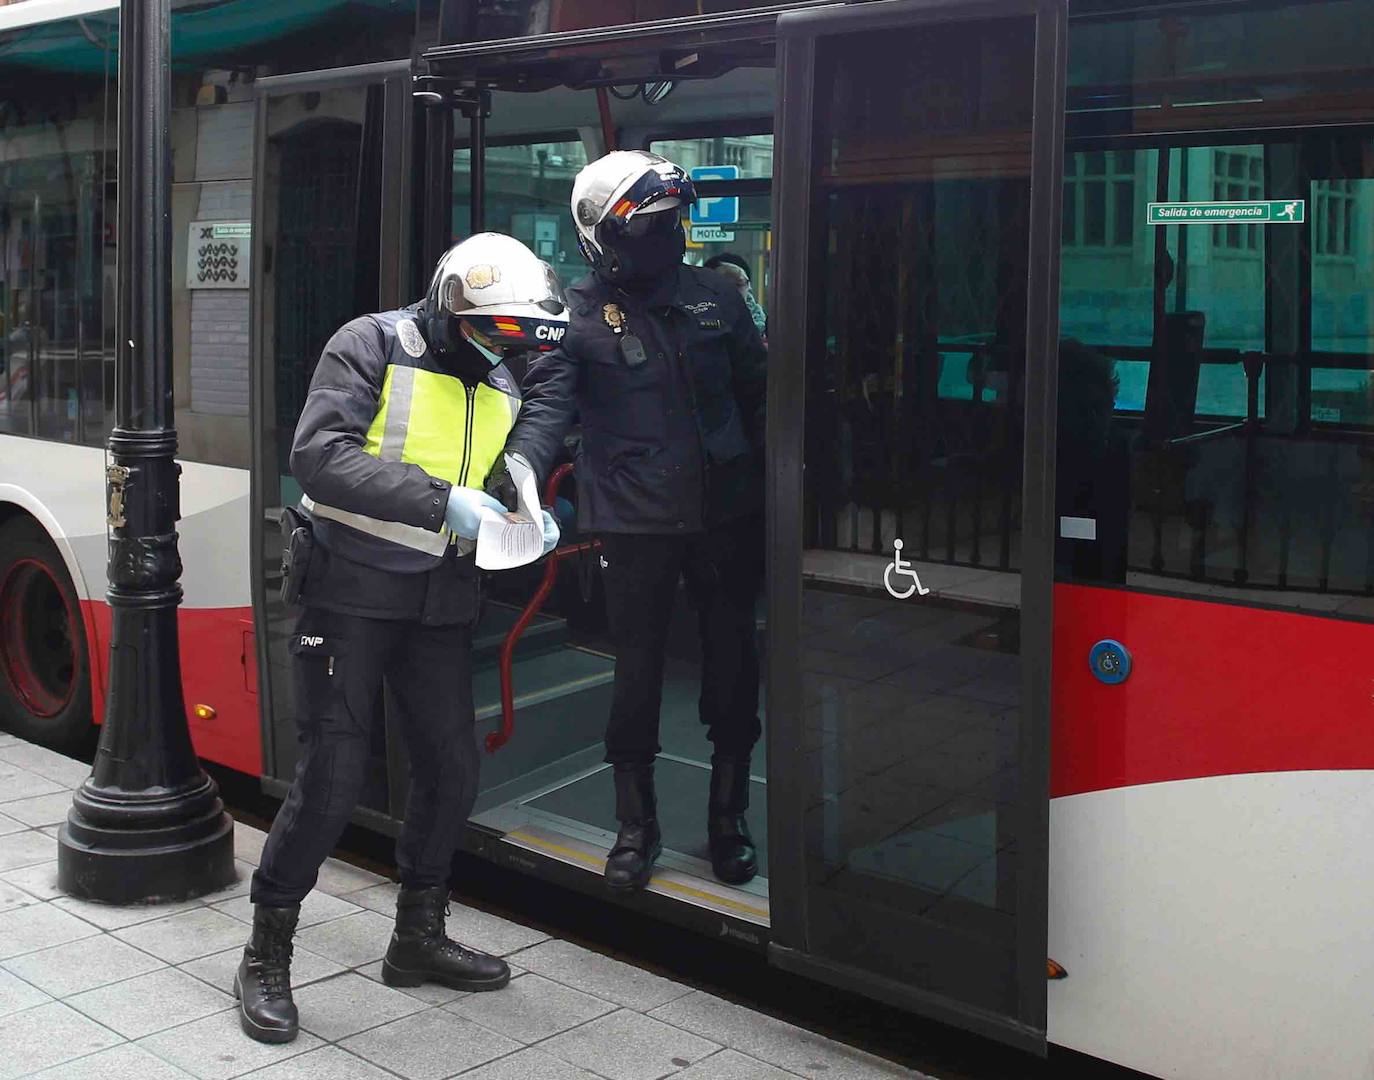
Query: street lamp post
{"points": [[148, 823]]}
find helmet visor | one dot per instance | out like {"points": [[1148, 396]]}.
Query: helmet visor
{"points": [[498, 335], [653, 194], [652, 224]]}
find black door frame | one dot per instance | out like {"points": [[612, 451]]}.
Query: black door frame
{"points": [[796, 213], [393, 284]]}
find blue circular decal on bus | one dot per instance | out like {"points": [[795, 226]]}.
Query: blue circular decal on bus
{"points": [[1110, 661]]}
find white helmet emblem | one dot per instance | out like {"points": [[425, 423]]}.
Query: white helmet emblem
{"points": [[483, 276]]}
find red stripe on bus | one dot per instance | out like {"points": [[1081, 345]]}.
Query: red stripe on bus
{"points": [[1215, 690], [218, 668]]}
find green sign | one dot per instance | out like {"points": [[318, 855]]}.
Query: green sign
{"points": [[234, 228], [1260, 212]]}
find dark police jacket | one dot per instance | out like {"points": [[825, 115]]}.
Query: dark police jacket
{"points": [[352, 571], [674, 444]]}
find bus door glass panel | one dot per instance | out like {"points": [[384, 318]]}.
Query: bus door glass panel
{"points": [[919, 863], [319, 180], [734, 220]]}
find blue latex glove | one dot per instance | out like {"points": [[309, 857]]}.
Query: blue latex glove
{"points": [[551, 533], [463, 514]]}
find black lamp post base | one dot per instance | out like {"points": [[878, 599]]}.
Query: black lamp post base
{"points": [[132, 847]]}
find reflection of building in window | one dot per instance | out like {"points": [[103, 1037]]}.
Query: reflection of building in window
{"points": [[1099, 199], [752, 153], [1237, 176], [1333, 227], [527, 188]]}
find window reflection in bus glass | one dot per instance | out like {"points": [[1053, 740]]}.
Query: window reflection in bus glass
{"points": [[57, 276], [750, 155], [528, 186], [1241, 355]]}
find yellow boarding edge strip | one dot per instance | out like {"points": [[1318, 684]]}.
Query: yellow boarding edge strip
{"points": [[667, 886]]}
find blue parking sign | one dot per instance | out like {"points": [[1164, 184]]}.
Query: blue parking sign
{"points": [[717, 209]]}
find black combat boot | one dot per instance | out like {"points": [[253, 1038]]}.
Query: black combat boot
{"points": [[421, 952], [732, 848], [263, 982], [631, 861]]}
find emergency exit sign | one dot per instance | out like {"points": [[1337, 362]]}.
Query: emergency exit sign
{"points": [[1260, 212]]}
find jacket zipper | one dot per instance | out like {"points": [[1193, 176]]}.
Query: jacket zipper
{"points": [[685, 374], [467, 437]]}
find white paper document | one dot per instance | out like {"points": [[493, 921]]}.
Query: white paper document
{"points": [[503, 543]]}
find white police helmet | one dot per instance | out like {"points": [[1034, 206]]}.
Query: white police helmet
{"points": [[499, 296], [626, 186]]}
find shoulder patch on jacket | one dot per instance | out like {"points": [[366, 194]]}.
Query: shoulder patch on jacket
{"points": [[412, 341]]}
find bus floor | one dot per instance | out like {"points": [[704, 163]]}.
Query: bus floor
{"points": [[566, 809]]}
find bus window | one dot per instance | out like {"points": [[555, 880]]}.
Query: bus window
{"points": [[739, 225], [1238, 356], [56, 272], [1342, 312], [528, 185], [1107, 261]]}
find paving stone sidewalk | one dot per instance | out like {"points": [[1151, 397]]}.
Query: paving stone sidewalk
{"points": [[92, 992]]}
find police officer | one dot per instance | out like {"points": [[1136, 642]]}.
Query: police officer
{"points": [[664, 365], [407, 412]]}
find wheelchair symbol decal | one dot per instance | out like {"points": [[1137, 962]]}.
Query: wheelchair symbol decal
{"points": [[903, 568]]}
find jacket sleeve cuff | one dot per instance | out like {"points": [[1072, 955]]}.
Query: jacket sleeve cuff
{"points": [[436, 502]]}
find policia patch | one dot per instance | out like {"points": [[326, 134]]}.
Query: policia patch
{"points": [[411, 339]]}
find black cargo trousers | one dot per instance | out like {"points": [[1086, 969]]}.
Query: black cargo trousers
{"points": [[340, 664], [723, 568]]}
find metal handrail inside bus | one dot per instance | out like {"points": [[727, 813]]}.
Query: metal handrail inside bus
{"points": [[497, 739]]}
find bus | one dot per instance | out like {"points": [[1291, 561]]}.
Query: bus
{"points": [[1071, 447]]}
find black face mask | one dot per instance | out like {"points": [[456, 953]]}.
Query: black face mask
{"points": [[643, 255]]}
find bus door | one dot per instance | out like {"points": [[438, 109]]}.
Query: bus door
{"points": [[911, 436], [546, 804], [331, 240]]}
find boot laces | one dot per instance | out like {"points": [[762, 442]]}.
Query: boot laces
{"points": [[436, 931], [273, 964]]}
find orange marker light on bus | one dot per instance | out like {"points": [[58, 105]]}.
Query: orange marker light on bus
{"points": [[204, 712]]}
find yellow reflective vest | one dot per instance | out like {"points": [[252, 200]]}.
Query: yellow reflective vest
{"points": [[452, 431]]}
